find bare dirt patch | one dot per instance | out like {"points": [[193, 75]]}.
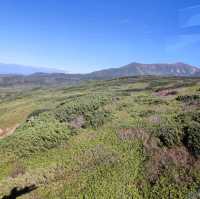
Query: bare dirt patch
{"points": [[1, 132], [8, 131], [77, 122], [165, 93]]}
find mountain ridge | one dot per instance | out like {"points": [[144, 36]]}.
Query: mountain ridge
{"points": [[133, 69], [138, 69]]}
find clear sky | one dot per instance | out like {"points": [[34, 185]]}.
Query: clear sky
{"points": [[87, 35]]}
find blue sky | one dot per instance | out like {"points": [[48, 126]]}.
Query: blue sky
{"points": [[88, 35]]}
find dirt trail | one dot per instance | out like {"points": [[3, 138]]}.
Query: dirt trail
{"points": [[8, 131]]}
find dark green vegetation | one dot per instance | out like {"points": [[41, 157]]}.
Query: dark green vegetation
{"points": [[123, 138]]}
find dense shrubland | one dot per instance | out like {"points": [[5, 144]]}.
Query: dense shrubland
{"points": [[35, 135], [91, 108], [189, 98], [122, 138], [45, 128], [190, 124]]}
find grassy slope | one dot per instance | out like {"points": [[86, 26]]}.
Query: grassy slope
{"points": [[93, 162]]}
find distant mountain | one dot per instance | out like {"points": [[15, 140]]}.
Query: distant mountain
{"points": [[24, 70], [138, 69], [133, 69]]}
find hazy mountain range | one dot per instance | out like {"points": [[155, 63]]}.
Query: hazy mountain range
{"points": [[12, 75], [24, 70]]}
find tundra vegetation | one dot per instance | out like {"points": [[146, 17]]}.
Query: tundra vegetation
{"points": [[133, 137]]}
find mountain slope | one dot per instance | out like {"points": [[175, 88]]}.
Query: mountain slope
{"points": [[137, 69]]}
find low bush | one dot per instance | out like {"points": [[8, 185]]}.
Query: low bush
{"points": [[192, 137], [169, 135], [40, 134], [196, 116], [97, 118], [188, 98], [190, 124], [149, 100], [91, 108], [36, 113]]}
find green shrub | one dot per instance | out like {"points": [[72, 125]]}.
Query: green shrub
{"points": [[188, 98], [186, 117], [169, 135], [40, 134], [190, 124], [97, 118], [192, 137], [196, 116], [36, 113], [91, 108]]}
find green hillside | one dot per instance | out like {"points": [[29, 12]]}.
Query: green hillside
{"points": [[133, 137]]}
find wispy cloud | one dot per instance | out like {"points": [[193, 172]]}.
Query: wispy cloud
{"points": [[190, 7], [188, 30], [189, 16]]}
